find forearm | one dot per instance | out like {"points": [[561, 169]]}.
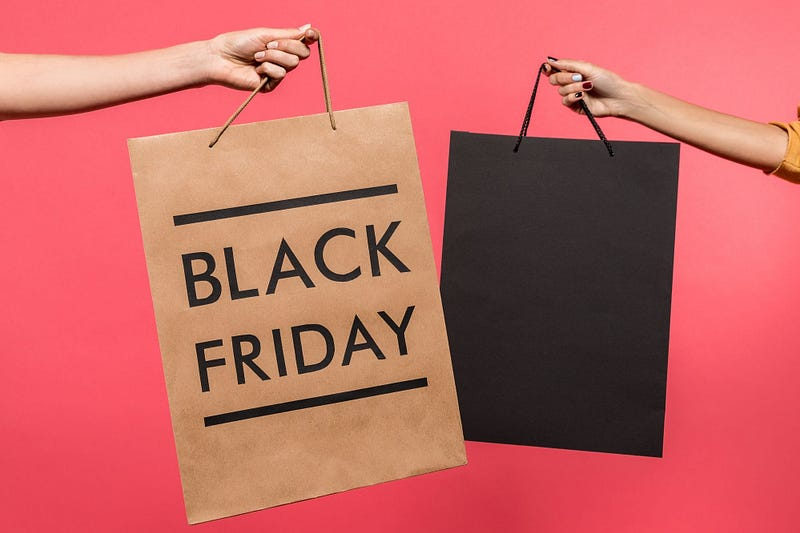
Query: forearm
{"points": [[40, 85], [751, 143]]}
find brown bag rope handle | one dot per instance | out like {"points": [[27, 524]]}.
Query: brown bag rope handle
{"points": [[266, 79]]}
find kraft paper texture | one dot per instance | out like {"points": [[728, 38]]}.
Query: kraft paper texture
{"points": [[298, 309]]}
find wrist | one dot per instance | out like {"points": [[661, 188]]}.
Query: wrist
{"points": [[633, 101], [190, 64], [200, 62]]}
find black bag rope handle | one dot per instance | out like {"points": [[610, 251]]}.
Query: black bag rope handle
{"points": [[584, 109]]}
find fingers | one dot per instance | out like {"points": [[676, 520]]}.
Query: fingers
{"points": [[272, 84], [279, 50], [573, 99], [279, 44], [572, 65], [278, 57], [564, 78], [583, 85], [284, 54], [276, 34], [572, 88], [291, 39], [311, 35], [564, 72], [571, 82], [272, 71]]}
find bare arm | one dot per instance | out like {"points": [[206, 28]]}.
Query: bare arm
{"points": [[46, 85], [744, 141]]}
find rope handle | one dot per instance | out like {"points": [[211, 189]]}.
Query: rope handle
{"points": [[523, 132], [325, 89]]}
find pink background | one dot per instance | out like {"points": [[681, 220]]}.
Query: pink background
{"points": [[86, 438]]}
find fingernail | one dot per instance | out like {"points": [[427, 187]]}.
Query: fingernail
{"points": [[577, 77], [304, 27], [587, 85], [578, 95], [272, 45], [259, 55], [551, 58]]}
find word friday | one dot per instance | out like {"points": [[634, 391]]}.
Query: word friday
{"points": [[247, 348]]}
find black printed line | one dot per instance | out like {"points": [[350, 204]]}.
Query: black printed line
{"points": [[316, 401], [280, 205]]}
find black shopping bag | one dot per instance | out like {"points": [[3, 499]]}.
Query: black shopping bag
{"points": [[556, 284]]}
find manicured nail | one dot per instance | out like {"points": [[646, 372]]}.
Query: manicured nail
{"points": [[259, 55], [577, 77], [552, 59], [272, 45], [304, 27], [587, 85], [578, 95]]}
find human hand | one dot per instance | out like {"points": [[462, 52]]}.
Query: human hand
{"points": [[241, 59], [605, 93]]}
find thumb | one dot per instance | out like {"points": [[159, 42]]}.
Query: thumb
{"points": [[572, 65], [273, 34]]}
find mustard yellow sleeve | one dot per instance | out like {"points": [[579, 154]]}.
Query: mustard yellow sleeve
{"points": [[789, 169]]}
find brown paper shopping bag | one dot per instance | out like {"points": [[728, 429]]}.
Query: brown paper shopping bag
{"points": [[298, 309]]}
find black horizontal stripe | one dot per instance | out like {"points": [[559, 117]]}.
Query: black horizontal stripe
{"points": [[280, 205], [316, 401]]}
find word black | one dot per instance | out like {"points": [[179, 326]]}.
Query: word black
{"points": [[376, 247]]}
